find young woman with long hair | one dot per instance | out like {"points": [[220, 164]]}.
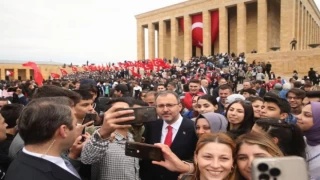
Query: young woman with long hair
{"points": [[250, 146], [213, 158]]}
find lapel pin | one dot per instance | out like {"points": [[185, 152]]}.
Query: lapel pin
{"points": [[184, 132]]}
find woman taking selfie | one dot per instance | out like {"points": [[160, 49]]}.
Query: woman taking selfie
{"points": [[213, 158], [250, 146], [309, 122]]}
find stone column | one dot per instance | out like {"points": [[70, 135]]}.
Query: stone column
{"points": [[3, 73], [206, 19], [187, 37], [151, 41], [305, 30], [15, 73], [140, 42], [223, 30], [241, 27], [287, 22], [161, 42], [27, 74], [262, 26], [174, 38], [298, 25], [302, 35]]}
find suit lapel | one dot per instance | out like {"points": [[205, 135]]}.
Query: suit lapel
{"points": [[182, 133], [158, 131]]}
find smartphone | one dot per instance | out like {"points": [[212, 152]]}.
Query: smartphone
{"points": [[279, 168], [143, 151], [141, 114], [89, 117]]}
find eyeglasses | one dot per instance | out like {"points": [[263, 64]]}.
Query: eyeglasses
{"points": [[161, 106]]}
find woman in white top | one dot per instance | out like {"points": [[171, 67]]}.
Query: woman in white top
{"points": [[309, 122]]}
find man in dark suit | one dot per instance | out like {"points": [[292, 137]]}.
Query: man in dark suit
{"points": [[48, 128], [259, 89], [173, 130]]}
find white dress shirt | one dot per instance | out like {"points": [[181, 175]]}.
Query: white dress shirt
{"points": [[175, 127], [55, 160]]}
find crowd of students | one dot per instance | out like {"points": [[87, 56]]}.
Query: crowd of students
{"points": [[206, 128]]}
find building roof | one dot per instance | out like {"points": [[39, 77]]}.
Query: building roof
{"points": [[37, 62]]}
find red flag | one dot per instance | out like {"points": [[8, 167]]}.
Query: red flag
{"points": [[159, 62], [93, 68], [9, 73], [74, 69], [148, 73], [63, 72], [85, 68], [37, 74], [147, 67], [135, 74], [55, 76]]}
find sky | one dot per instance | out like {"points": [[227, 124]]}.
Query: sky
{"points": [[99, 31]]}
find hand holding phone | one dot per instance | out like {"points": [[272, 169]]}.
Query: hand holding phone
{"points": [[111, 121], [143, 151], [142, 114]]}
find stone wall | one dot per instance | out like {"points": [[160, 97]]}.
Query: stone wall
{"points": [[283, 63]]}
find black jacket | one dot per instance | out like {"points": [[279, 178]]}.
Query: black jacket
{"points": [[183, 146], [28, 167]]}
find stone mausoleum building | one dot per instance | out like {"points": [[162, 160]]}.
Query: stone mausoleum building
{"points": [[207, 27]]}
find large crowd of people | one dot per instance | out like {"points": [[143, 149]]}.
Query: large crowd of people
{"points": [[215, 115]]}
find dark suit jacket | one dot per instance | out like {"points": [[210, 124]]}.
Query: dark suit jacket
{"points": [[262, 92], [28, 167], [183, 146]]}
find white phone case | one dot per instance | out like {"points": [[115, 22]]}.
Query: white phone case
{"points": [[280, 168]]}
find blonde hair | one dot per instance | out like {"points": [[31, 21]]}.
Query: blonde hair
{"points": [[206, 138], [263, 140]]}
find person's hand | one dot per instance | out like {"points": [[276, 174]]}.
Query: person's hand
{"points": [[80, 127], [76, 148], [111, 121], [171, 161]]}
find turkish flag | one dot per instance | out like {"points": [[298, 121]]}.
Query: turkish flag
{"points": [[147, 67], [9, 73], [37, 74], [130, 63], [55, 76], [74, 69], [63, 72], [135, 74], [93, 68], [197, 28]]}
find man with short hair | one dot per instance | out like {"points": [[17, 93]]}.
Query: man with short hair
{"points": [[47, 126], [84, 106], [221, 82], [276, 107], [10, 113], [194, 89], [173, 87], [107, 156], [161, 87], [121, 90], [224, 92], [295, 97], [173, 130], [248, 92], [204, 86], [150, 98], [260, 90]]}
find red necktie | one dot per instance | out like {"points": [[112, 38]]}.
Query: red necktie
{"points": [[168, 140]]}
